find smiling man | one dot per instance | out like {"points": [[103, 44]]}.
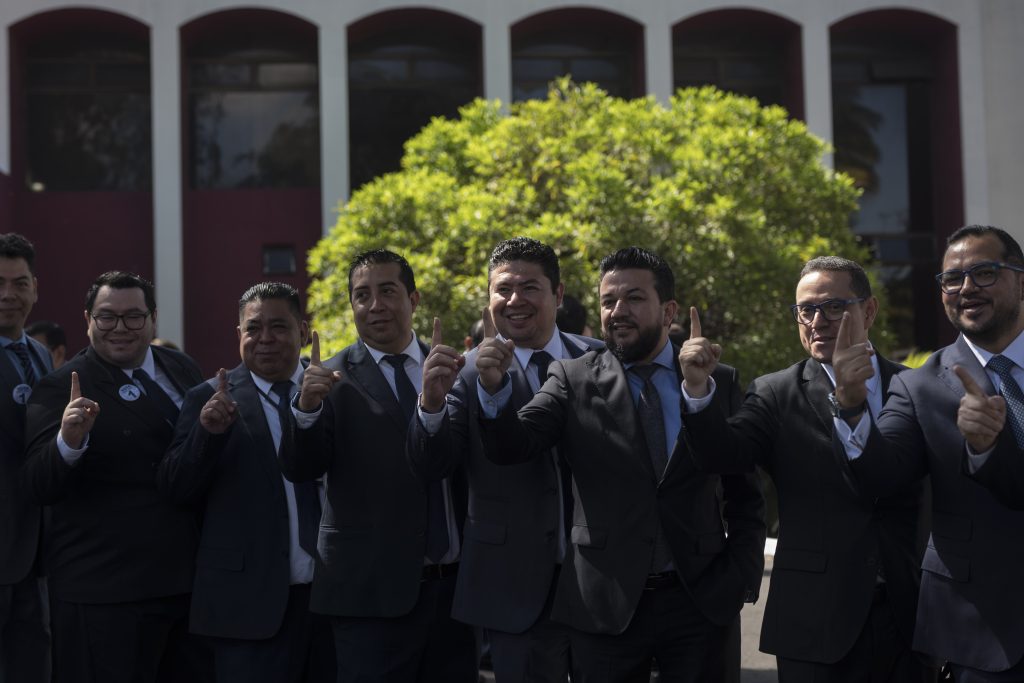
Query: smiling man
{"points": [[971, 600], [250, 598], [389, 545], [120, 557]]}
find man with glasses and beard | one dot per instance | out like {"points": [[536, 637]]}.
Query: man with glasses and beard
{"points": [[649, 573], [945, 420]]}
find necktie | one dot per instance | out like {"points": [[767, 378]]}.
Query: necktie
{"points": [[653, 422], [1012, 394], [307, 501], [542, 359], [437, 527], [21, 351], [159, 398]]}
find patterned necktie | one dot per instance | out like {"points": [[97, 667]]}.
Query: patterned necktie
{"points": [[1012, 394], [542, 359], [159, 398], [307, 500], [437, 527], [648, 408], [21, 351]]}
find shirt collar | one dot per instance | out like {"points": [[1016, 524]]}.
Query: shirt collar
{"points": [[553, 347], [413, 350], [148, 364], [7, 341], [266, 385], [1014, 351], [665, 358]]}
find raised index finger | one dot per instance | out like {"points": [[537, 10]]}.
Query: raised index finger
{"points": [[435, 338], [76, 390], [222, 381], [694, 323], [314, 351], [489, 329], [970, 386]]}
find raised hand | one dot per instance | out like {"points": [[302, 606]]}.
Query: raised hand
{"points": [[851, 361], [494, 357], [316, 380], [440, 370], [981, 417], [79, 416], [220, 411], [698, 358]]}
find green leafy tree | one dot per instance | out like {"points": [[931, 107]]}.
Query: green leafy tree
{"points": [[733, 195]]}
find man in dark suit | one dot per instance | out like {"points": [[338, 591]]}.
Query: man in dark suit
{"points": [[389, 545], [514, 535], [971, 599], [258, 538], [119, 557], [649, 573], [845, 578], [24, 635]]}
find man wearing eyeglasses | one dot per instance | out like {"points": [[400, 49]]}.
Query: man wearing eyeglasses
{"points": [[844, 581], [119, 557], [946, 420]]}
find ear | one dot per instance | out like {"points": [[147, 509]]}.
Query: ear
{"points": [[239, 331], [669, 313], [415, 299], [304, 332], [870, 312], [559, 293]]}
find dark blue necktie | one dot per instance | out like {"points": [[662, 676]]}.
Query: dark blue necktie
{"points": [[21, 351], [652, 420], [307, 499], [1012, 394], [437, 526], [157, 396]]}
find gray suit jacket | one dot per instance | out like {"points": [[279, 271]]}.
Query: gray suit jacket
{"points": [[972, 597]]}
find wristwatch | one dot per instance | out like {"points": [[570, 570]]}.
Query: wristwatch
{"points": [[841, 412]]}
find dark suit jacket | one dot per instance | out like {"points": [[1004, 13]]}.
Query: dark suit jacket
{"points": [[112, 536], [19, 515], [511, 530], [831, 537], [242, 567], [586, 410], [373, 531], [972, 597]]}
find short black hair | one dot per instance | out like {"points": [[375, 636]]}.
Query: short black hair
{"points": [[15, 246], [571, 316], [50, 331], [376, 257], [261, 291], [859, 282], [476, 332], [1011, 250], [639, 258], [119, 279], [529, 250]]}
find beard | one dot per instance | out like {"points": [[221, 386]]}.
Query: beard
{"points": [[1002, 321], [645, 344]]}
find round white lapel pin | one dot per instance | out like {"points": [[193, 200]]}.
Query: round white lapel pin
{"points": [[21, 394], [129, 392]]}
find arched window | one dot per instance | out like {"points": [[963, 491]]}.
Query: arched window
{"points": [[897, 133], [743, 51], [588, 45], [252, 86], [86, 102], [404, 68]]}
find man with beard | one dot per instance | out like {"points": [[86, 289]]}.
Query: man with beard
{"points": [[971, 599], [649, 573], [844, 581]]}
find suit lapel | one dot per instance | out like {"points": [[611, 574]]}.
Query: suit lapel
{"points": [[521, 392], [610, 378], [816, 387], [364, 371], [109, 379], [254, 420], [960, 354]]}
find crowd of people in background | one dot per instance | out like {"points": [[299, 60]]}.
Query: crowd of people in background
{"points": [[575, 508]]}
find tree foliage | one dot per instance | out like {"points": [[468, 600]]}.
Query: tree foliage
{"points": [[733, 195]]}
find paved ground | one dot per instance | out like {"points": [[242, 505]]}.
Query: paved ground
{"points": [[757, 666]]}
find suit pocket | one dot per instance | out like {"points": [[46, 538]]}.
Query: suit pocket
{"points": [[485, 532], [227, 559], [588, 537], [801, 561], [950, 566]]}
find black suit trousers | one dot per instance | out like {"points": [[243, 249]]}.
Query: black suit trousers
{"points": [[24, 625]]}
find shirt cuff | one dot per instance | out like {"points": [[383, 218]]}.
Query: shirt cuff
{"points": [[304, 420], [695, 405], [976, 460], [490, 406], [432, 421], [854, 439], [71, 455]]}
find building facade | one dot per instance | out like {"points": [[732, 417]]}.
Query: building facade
{"points": [[207, 144]]}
